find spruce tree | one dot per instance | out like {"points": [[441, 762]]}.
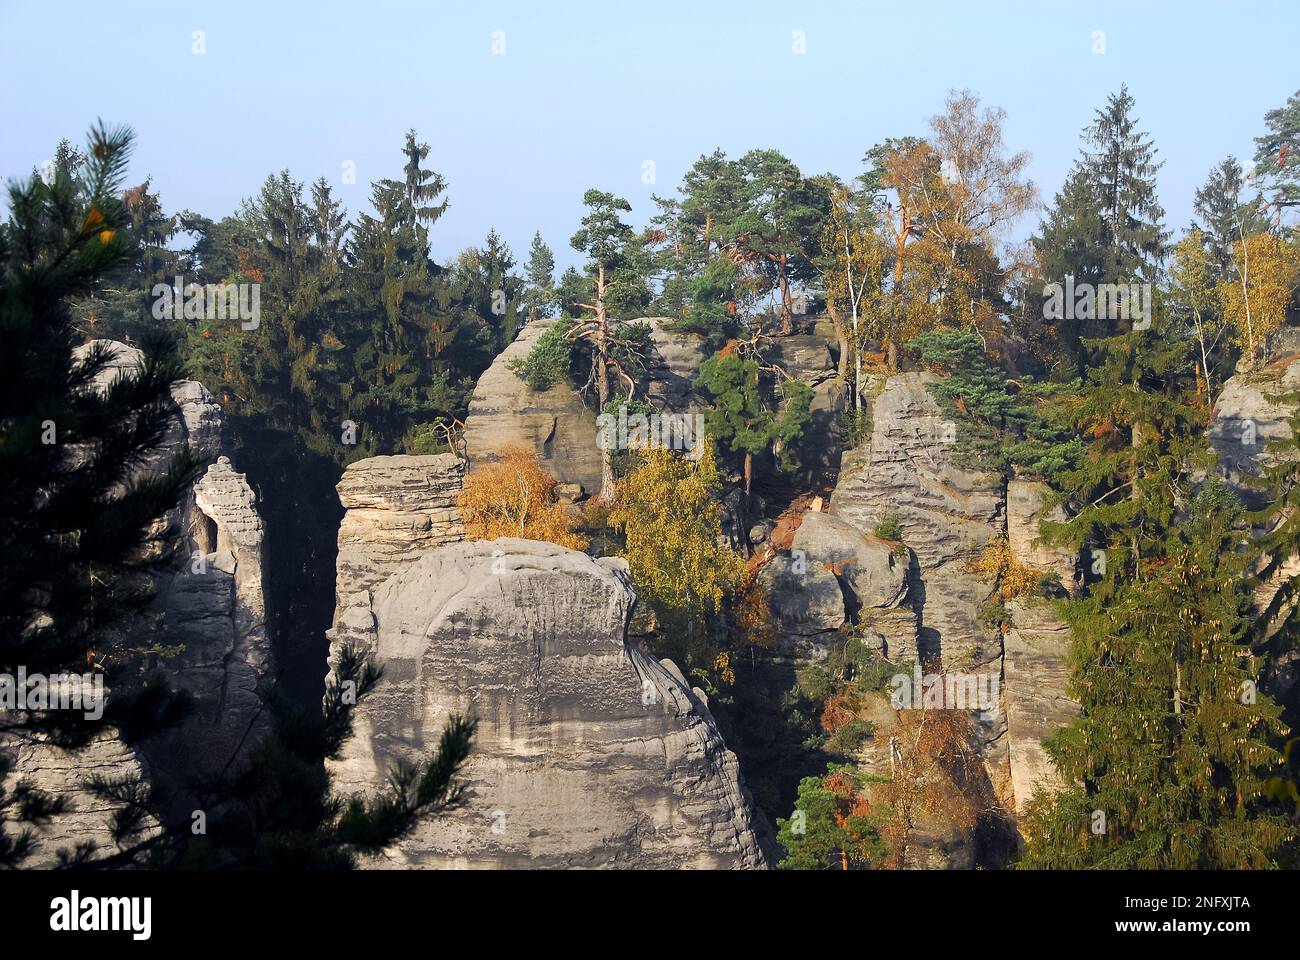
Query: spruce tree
{"points": [[1225, 217], [539, 275], [1070, 243], [1165, 768], [1277, 154], [1121, 167]]}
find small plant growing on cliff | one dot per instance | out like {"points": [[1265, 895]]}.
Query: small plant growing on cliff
{"points": [[548, 362], [997, 562], [888, 528], [514, 497]]}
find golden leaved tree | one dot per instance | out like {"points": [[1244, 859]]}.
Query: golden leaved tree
{"points": [[672, 523], [514, 497], [1255, 300]]}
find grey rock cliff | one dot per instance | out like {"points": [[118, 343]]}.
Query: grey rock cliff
{"points": [[208, 601], [398, 508], [589, 752]]}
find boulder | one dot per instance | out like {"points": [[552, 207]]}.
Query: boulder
{"points": [[804, 596], [872, 571], [588, 753]]}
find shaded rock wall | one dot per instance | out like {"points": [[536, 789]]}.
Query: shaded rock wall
{"points": [[210, 602]]}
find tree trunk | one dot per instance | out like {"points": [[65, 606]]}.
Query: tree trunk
{"points": [[749, 471], [606, 494], [787, 305]]}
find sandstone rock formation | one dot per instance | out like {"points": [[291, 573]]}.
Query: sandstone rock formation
{"points": [[946, 515], [210, 602], [589, 753], [554, 423], [1024, 514], [1252, 409], [1250, 412], [398, 508], [1035, 670]]}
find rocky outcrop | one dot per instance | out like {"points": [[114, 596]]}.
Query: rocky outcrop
{"points": [[554, 423], [398, 509], [1025, 513], [946, 515], [87, 820], [208, 613], [213, 608], [1250, 412], [836, 574], [1035, 671], [589, 752], [1253, 409]]}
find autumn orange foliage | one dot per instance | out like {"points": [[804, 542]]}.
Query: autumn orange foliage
{"points": [[514, 497]]}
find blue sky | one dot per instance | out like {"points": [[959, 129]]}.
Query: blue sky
{"points": [[587, 92]]}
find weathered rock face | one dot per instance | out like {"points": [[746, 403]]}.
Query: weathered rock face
{"points": [[210, 602], [1249, 413], [946, 514], [1024, 514], [398, 509], [589, 753], [1253, 409], [556, 424], [836, 574], [505, 413], [1035, 670], [213, 605], [805, 597]]}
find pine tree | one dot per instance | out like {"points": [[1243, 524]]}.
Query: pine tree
{"points": [[404, 354], [79, 529], [120, 308], [778, 231], [606, 240], [742, 421]]}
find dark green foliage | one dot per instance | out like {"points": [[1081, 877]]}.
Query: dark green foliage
{"points": [[1225, 217], [996, 423], [540, 296], [1106, 225], [549, 362], [823, 835], [742, 421], [711, 298], [1277, 153], [1169, 746], [1175, 742], [77, 536]]}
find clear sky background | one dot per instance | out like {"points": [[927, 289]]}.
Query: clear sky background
{"points": [[586, 92]]}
